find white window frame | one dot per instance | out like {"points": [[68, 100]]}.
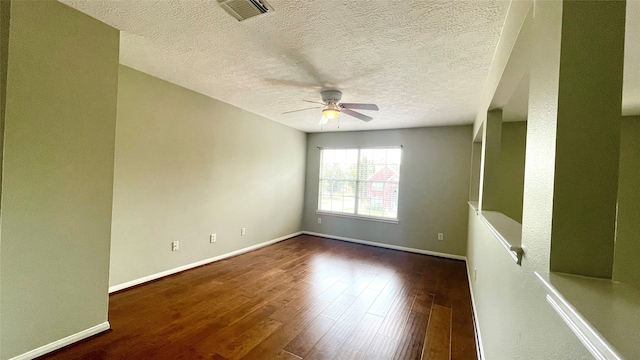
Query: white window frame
{"points": [[358, 182]]}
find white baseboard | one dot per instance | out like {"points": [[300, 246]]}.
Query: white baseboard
{"points": [[197, 263], [63, 342], [387, 246], [476, 325]]}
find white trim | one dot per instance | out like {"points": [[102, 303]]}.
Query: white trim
{"points": [[597, 345], [197, 263], [476, 323], [63, 342], [359, 217], [388, 246]]}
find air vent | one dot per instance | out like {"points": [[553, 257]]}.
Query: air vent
{"points": [[245, 9]]}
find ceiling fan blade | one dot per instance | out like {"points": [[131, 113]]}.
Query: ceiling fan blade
{"points": [[315, 107], [360, 106], [357, 115], [314, 102]]}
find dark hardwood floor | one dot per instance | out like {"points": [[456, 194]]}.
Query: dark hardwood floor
{"points": [[306, 297]]}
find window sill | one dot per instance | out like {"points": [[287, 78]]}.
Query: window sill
{"points": [[604, 314], [506, 230], [358, 217]]}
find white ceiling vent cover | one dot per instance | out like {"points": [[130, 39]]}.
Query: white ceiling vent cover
{"points": [[244, 9]]}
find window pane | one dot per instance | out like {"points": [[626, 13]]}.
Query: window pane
{"points": [[393, 156], [338, 196], [339, 164], [378, 173], [327, 156], [349, 204], [371, 201], [324, 199], [367, 167], [378, 199], [364, 199], [380, 156], [391, 200]]}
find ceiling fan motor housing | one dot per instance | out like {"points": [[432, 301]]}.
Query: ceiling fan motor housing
{"points": [[331, 96]]}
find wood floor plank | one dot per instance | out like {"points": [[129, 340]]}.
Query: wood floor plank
{"points": [[423, 303], [346, 323], [328, 346], [411, 343], [462, 331], [361, 283], [385, 300], [462, 328], [357, 344], [356, 311], [211, 339], [381, 280], [442, 294], [249, 339], [307, 339], [438, 342], [280, 338], [334, 291], [282, 355], [304, 297], [396, 319], [339, 306], [382, 348]]}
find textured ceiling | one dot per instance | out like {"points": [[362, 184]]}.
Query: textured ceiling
{"points": [[423, 63]]}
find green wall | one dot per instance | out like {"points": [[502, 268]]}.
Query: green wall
{"points": [[476, 159], [187, 166], [587, 132], [626, 268], [58, 174], [512, 154], [490, 176], [5, 15], [433, 195], [5, 18]]}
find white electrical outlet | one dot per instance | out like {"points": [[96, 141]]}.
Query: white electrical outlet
{"points": [[319, 220], [243, 231], [475, 274], [440, 236], [175, 246], [212, 238]]}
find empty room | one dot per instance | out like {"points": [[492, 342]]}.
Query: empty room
{"points": [[250, 179]]}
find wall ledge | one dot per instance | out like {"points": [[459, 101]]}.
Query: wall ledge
{"points": [[388, 246], [178, 269], [506, 230], [58, 344], [604, 314]]}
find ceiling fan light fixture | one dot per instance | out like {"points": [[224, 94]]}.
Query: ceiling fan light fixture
{"points": [[330, 114], [331, 111]]}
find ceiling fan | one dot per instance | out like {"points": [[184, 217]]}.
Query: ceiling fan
{"points": [[332, 107]]}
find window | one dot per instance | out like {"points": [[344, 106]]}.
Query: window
{"points": [[360, 182]]}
